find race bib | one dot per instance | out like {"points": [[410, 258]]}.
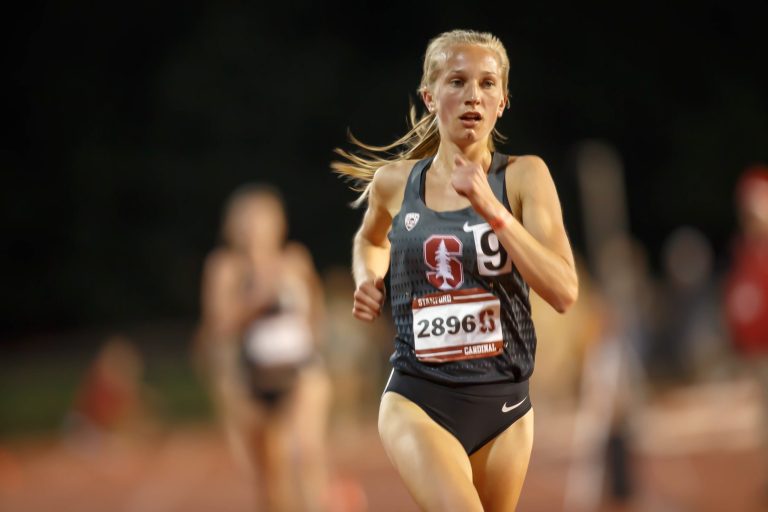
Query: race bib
{"points": [[461, 324]]}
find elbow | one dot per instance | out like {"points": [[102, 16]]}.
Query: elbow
{"points": [[361, 238], [565, 303], [567, 298]]}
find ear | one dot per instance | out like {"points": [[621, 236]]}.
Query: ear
{"points": [[428, 100], [504, 105]]}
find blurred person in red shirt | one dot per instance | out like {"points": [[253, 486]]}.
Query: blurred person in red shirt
{"points": [[109, 402], [746, 303], [109, 397], [746, 287]]}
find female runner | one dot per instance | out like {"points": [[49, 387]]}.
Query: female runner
{"points": [[464, 232]]}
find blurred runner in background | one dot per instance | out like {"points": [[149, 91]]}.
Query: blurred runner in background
{"points": [[262, 312]]}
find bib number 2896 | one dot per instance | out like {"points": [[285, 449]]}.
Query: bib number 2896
{"points": [[463, 324]]}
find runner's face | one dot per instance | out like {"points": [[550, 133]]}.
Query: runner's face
{"points": [[755, 207], [468, 95], [259, 224]]}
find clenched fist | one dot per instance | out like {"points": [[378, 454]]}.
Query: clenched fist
{"points": [[369, 298], [469, 180]]}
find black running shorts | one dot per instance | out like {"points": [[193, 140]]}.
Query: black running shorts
{"points": [[473, 413]]}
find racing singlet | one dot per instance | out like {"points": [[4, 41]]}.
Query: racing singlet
{"points": [[460, 306]]}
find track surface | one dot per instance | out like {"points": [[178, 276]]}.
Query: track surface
{"points": [[190, 470]]}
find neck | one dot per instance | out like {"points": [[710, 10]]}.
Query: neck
{"points": [[447, 152], [263, 256]]}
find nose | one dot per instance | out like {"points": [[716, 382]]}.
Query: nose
{"points": [[473, 97]]}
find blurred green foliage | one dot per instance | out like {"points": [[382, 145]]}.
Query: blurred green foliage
{"points": [[37, 391]]}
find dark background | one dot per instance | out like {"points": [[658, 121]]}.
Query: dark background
{"points": [[128, 126]]}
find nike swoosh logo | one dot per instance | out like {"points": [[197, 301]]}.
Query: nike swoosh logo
{"points": [[468, 228], [504, 407]]}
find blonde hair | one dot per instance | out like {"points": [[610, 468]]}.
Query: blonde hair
{"points": [[423, 137]]}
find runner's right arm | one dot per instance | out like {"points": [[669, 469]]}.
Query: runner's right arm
{"points": [[370, 249]]}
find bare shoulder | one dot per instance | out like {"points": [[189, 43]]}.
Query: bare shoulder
{"points": [[389, 182], [391, 178], [528, 167], [222, 264], [527, 174], [299, 257]]}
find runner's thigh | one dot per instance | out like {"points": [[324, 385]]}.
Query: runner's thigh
{"points": [[500, 466], [432, 463]]}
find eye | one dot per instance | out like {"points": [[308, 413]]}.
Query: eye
{"points": [[488, 83], [456, 82]]}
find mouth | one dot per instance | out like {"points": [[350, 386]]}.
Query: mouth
{"points": [[471, 116], [470, 119]]}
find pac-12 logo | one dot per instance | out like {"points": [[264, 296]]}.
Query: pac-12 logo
{"points": [[492, 259], [442, 254], [410, 220]]}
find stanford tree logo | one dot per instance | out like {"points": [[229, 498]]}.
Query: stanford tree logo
{"points": [[442, 254]]}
